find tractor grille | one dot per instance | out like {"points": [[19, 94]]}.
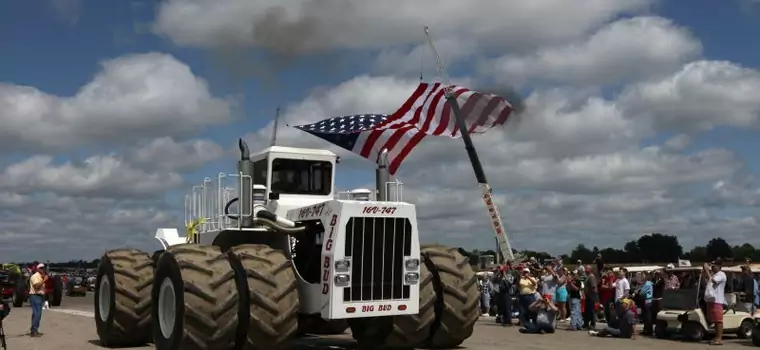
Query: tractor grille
{"points": [[377, 247]]}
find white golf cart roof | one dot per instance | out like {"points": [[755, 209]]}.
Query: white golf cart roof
{"points": [[634, 269]]}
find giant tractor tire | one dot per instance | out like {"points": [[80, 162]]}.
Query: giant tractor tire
{"points": [[272, 293], [196, 301], [400, 332], [457, 306], [122, 298]]}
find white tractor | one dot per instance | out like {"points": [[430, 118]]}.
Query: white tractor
{"points": [[270, 254]]}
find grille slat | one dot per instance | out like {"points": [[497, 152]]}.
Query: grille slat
{"points": [[377, 247]]}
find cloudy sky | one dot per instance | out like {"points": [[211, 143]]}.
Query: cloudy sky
{"points": [[641, 115]]}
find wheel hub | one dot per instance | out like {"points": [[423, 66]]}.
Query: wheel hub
{"points": [[167, 311], [104, 298]]}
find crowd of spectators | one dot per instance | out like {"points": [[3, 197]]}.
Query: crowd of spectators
{"points": [[539, 297]]}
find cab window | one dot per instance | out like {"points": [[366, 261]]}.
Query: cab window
{"points": [[260, 172], [298, 176]]}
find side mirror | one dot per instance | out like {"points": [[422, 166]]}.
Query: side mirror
{"points": [[273, 196]]}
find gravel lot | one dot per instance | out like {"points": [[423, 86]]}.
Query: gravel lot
{"points": [[65, 331]]}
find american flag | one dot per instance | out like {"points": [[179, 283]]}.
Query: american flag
{"points": [[424, 113]]}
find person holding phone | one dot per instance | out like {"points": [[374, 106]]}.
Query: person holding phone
{"points": [[37, 297]]}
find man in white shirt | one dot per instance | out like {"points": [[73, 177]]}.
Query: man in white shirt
{"points": [[622, 286], [37, 297], [714, 297]]}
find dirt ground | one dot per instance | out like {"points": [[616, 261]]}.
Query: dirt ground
{"points": [[71, 327]]}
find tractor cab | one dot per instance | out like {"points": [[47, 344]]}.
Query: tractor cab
{"points": [[294, 177]]}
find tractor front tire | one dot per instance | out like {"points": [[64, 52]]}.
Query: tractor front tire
{"points": [[270, 295], [57, 296], [196, 300], [20, 292], [457, 307], [123, 299], [414, 330]]}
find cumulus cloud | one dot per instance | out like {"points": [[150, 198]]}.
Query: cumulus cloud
{"points": [[131, 98], [700, 96], [307, 26], [54, 227], [629, 48], [96, 176], [167, 154]]}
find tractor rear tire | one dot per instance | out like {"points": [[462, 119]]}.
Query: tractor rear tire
{"points": [[123, 299], [414, 330], [196, 300], [457, 306], [271, 302], [57, 296]]}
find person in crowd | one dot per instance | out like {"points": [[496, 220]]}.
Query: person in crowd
{"points": [[671, 281], [505, 284], [549, 283], [561, 294], [715, 283], [546, 317], [607, 292], [574, 295], [599, 262], [534, 266], [580, 270], [591, 295], [622, 286], [646, 294], [757, 296], [657, 293], [37, 298], [527, 286], [748, 289], [486, 287], [625, 327]]}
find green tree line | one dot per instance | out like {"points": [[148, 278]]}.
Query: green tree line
{"points": [[653, 247]]}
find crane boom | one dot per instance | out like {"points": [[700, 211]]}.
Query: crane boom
{"points": [[486, 192]]}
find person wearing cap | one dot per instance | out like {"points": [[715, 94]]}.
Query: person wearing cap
{"points": [[37, 297], [714, 297], [625, 324], [527, 288]]}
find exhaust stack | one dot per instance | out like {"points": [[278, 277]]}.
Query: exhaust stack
{"points": [[245, 168], [382, 176]]}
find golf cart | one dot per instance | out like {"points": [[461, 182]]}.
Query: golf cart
{"points": [[683, 311]]}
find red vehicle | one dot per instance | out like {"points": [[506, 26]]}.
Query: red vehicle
{"points": [[7, 283], [53, 289]]}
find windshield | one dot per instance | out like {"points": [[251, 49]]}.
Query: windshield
{"points": [[680, 299], [296, 176]]}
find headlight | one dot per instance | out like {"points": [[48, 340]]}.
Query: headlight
{"points": [[343, 265], [412, 264], [342, 280], [412, 278]]}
